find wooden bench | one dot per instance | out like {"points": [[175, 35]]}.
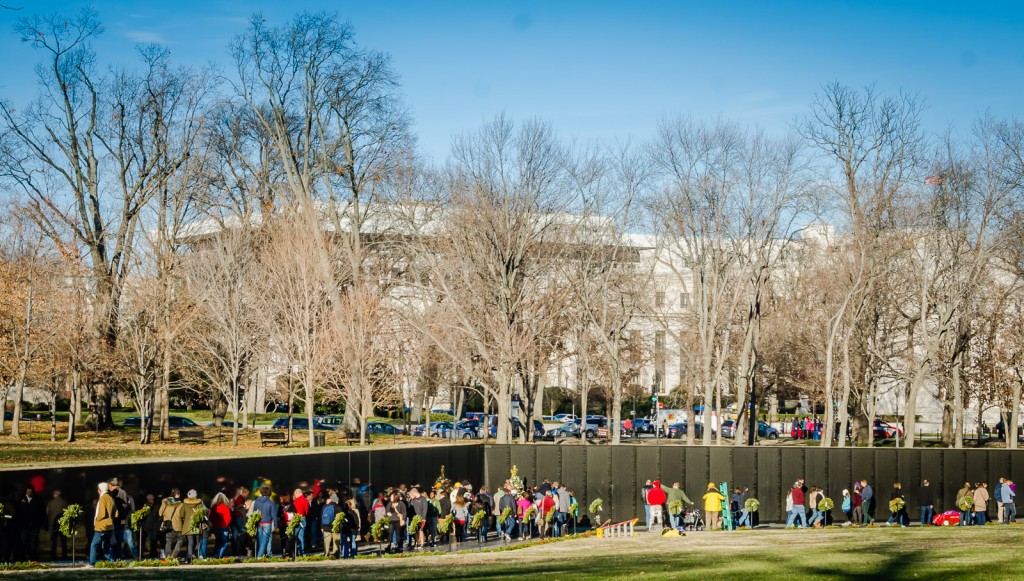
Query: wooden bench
{"points": [[191, 436], [352, 438], [279, 437]]}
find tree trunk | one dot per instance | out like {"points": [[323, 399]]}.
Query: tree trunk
{"points": [[958, 405], [1011, 418], [75, 405], [615, 425], [308, 390], [19, 397], [844, 403]]}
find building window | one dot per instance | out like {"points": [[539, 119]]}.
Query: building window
{"points": [[659, 299], [684, 300]]}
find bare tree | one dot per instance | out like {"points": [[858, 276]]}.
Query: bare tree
{"points": [[223, 281], [875, 144], [90, 152], [297, 300]]}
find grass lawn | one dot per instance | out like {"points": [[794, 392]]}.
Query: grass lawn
{"points": [[120, 443], [934, 553]]}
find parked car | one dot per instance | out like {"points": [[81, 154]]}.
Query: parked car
{"points": [[478, 416], [443, 430], [572, 429], [886, 430], [678, 430], [335, 421], [172, 422], [643, 426], [565, 418], [383, 428], [301, 424], [517, 424], [764, 430]]}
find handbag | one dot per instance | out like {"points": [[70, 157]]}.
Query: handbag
{"points": [[166, 526]]}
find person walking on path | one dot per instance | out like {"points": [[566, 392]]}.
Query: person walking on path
{"points": [[798, 510], [847, 507], [672, 495], [102, 525], [268, 516], [170, 523], [713, 500], [981, 499], [1009, 508], [867, 495], [965, 515], [926, 499], [220, 523], [858, 505], [647, 506], [656, 497]]}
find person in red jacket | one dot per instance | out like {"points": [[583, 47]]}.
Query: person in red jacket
{"points": [[546, 505], [220, 522], [302, 509], [798, 511], [656, 497]]}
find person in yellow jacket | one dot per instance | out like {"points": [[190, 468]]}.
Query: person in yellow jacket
{"points": [[713, 500], [103, 525]]}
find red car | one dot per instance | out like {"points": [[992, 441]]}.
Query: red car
{"points": [[886, 430], [947, 519]]}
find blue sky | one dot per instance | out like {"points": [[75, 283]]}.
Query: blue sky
{"points": [[610, 70]]}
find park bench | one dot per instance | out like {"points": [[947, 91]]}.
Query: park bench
{"points": [[352, 438], [279, 437], [191, 436]]}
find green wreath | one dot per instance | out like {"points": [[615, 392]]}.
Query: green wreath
{"points": [[530, 513], [138, 516], [896, 505], [197, 521], [966, 502], [293, 525], [752, 504], [596, 506], [252, 524], [337, 523], [675, 507], [477, 520], [68, 520], [826, 504], [504, 515], [445, 524], [416, 523], [378, 530]]}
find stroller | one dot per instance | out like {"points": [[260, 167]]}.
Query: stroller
{"points": [[692, 519]]}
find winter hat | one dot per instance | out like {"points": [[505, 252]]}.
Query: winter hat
{"points": [[193, 494], [104, 487], [711, 485], [845, 492]]}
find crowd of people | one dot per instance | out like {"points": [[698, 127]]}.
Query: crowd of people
{"points": [[860, 504], [262, 520]]}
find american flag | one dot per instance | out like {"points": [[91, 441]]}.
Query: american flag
{"points": [[936, 180]]}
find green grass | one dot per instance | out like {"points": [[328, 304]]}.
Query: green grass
{"points": [[934, 553]]}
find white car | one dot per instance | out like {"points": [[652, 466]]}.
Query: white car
{"points": [[563, 418]]}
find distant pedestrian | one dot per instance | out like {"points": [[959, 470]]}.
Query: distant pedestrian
{"points": [[713, 500], [981, 500], [926, 500], [867, 495], [656, 497], [798, 509], [1009, 508], [102, 526]]}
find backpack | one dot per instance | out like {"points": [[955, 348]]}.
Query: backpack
{"points": [[789, 502], [327, 516]]}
